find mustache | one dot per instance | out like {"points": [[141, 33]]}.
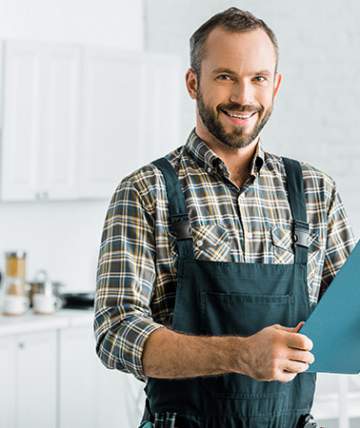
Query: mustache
{"points": [[247, 108]]}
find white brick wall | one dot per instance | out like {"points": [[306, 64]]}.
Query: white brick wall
{"points": [[316, 114]]}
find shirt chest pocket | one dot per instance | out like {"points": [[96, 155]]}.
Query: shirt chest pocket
{"points": [[211, 242], [283, 252]]}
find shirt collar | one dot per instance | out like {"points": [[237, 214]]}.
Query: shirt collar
{"points": [[210, 161]]}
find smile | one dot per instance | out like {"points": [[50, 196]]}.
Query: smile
{"points": [[238, 118]]}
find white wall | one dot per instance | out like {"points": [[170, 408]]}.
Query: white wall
{"points": [[64, 237], [316, 114], [105, 22]]}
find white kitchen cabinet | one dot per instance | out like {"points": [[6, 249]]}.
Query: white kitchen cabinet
{"points": [[77, 378], [164, 84], [7, 382], [19, 161], [88, 390], [130, 112], [121, 393], [28, 373], [112, 118], [36, 380], [77, 119], [58, 124], [40, 121], [50, 376]]}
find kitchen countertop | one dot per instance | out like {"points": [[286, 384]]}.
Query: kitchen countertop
{"points": [[30, 322]]}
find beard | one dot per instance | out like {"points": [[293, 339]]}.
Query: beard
{"points": [[238, 138]]}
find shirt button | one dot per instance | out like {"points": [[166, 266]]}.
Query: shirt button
{"points": [[199, 243], [209, 170]]}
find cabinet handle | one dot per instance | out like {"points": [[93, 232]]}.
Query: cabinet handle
{"points": [[41, 195], [21, 345]]}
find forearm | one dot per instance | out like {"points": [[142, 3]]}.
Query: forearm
{"points": [[168, 354]]}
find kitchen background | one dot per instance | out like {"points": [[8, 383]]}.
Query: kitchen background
{"points": [[315, 119]]}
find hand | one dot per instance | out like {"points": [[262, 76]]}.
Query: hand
{"points": [[278, 353]]}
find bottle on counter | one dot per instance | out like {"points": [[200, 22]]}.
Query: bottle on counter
{"points": [[15, 293]]}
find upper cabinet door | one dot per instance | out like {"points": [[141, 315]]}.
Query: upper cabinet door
{"points": [[77, 120], [161, 94], [59, 76], [129, 116], [20, 140], [41, 107], [113, 114]]}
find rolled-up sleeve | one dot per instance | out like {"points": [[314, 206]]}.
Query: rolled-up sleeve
{"points": [[340, 240], [126, 275]]}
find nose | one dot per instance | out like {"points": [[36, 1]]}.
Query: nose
{"points": [[242, 93]]}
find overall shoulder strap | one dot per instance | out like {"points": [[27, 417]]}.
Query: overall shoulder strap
{"points": [[179, 220], [295, 188]]}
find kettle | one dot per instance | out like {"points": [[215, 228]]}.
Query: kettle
{"points": [[45, 295]]}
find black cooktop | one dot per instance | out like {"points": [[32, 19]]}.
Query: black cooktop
{"points": [[84, 300]]}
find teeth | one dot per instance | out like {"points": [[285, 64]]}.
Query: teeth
{"points": [[239, 116]]}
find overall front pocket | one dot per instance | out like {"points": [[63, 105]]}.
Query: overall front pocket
{"points": [[240, 314], [243, 314]]}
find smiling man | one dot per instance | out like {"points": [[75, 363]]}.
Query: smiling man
{"points": [[212, 256], [234, 85]]}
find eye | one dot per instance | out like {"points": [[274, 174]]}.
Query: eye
{"points": [[223, 77], [260, 78]]}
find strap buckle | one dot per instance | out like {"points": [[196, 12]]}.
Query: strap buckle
{"points": [[301, 233], [181, 228]]}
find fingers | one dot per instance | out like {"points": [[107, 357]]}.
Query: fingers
{"points": [[302, 356], [286, 377], [299, 326], [290, 329], [290, 370], [296, 340], [299, 341], [281, 327], [295, 367]]}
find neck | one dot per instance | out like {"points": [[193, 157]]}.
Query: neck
{"points": [[237, 161]]}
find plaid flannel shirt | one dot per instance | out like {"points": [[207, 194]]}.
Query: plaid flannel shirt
{"points": [[136, 277]]}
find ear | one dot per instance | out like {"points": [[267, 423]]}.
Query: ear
{"points": [[278, 80], [191, 83]]}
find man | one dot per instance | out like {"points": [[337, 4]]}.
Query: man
{"points": [[212, 257]]}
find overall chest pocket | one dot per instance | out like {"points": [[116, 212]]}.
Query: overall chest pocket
{"points": [[211, 242]]}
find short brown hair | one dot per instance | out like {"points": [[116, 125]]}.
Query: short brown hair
{"points": [[232, 20]]}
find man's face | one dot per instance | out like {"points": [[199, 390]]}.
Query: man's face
{"points": [[237, 86]]}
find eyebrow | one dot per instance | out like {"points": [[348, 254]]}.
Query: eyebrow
{"points": [[229, 71]]}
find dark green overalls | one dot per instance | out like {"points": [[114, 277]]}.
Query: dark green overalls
{"points": [[226, 298]]}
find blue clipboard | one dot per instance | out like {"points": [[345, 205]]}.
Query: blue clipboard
{"points": [[334, 325]]}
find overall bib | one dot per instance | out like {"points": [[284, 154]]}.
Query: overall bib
{"points": [[227, 298]]}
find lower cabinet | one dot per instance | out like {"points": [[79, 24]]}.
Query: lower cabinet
{"points": [[92, 396], [77, 379], [53, 379], [28, 373], [7, 382]]}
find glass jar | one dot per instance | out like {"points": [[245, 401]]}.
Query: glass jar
{"points": [[15, 264], [15, 293]]}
